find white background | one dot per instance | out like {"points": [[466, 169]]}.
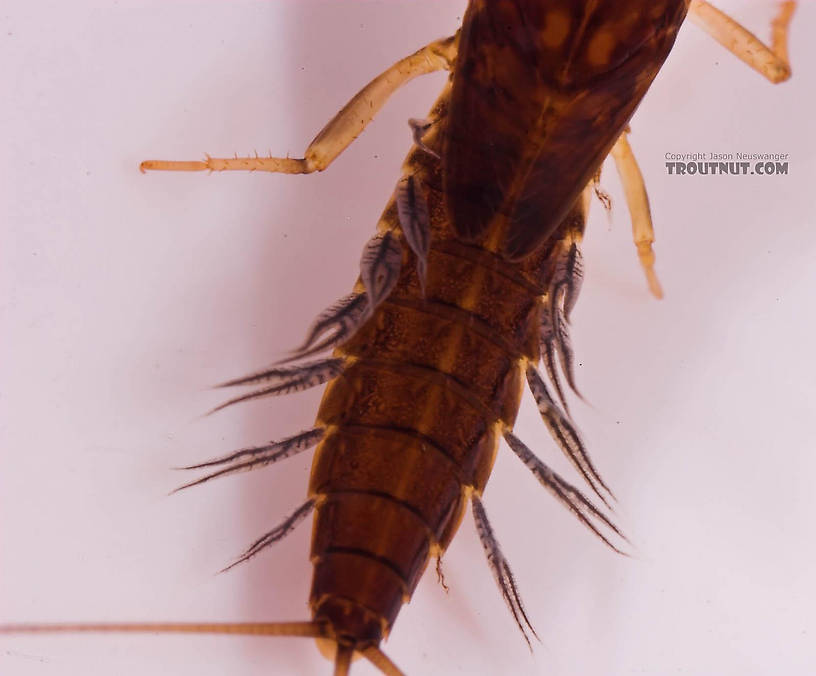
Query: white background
{"points": [[125, 296]]}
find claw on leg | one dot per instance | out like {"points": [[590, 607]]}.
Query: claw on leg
{"points": [[771, 62]]}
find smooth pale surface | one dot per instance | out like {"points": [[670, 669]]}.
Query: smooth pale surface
{"points": [[125, 296]]}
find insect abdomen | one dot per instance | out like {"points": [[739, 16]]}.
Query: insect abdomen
{"points": [[413, 423], [406, 442]]}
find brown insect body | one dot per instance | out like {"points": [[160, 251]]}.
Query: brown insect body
{"points": [[468, 285], [434, 380], [541, 91], [415, 419]]}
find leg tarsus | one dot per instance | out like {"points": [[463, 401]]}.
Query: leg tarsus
{"points": [[638, 202], [343, 128], [277, 165], [771, 62]]}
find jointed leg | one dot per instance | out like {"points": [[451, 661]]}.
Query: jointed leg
{"points": [[771, 62], [346, 126], [638, 202]]}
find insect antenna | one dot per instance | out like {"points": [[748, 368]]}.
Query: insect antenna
{"points": [[564, 492], [501, 571], [260, 456]]}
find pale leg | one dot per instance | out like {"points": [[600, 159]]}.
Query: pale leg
{"points": [[771, 62], [346, 126], [638, 202]]}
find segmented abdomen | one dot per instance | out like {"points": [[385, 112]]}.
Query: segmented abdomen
{"points": [[430, 384]]}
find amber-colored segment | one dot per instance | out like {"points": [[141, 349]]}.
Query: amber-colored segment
{"points": [[420, 402], [414, 421], [339, 516], [357, 595], [541, 91], [434, 326], [399, 466]]}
